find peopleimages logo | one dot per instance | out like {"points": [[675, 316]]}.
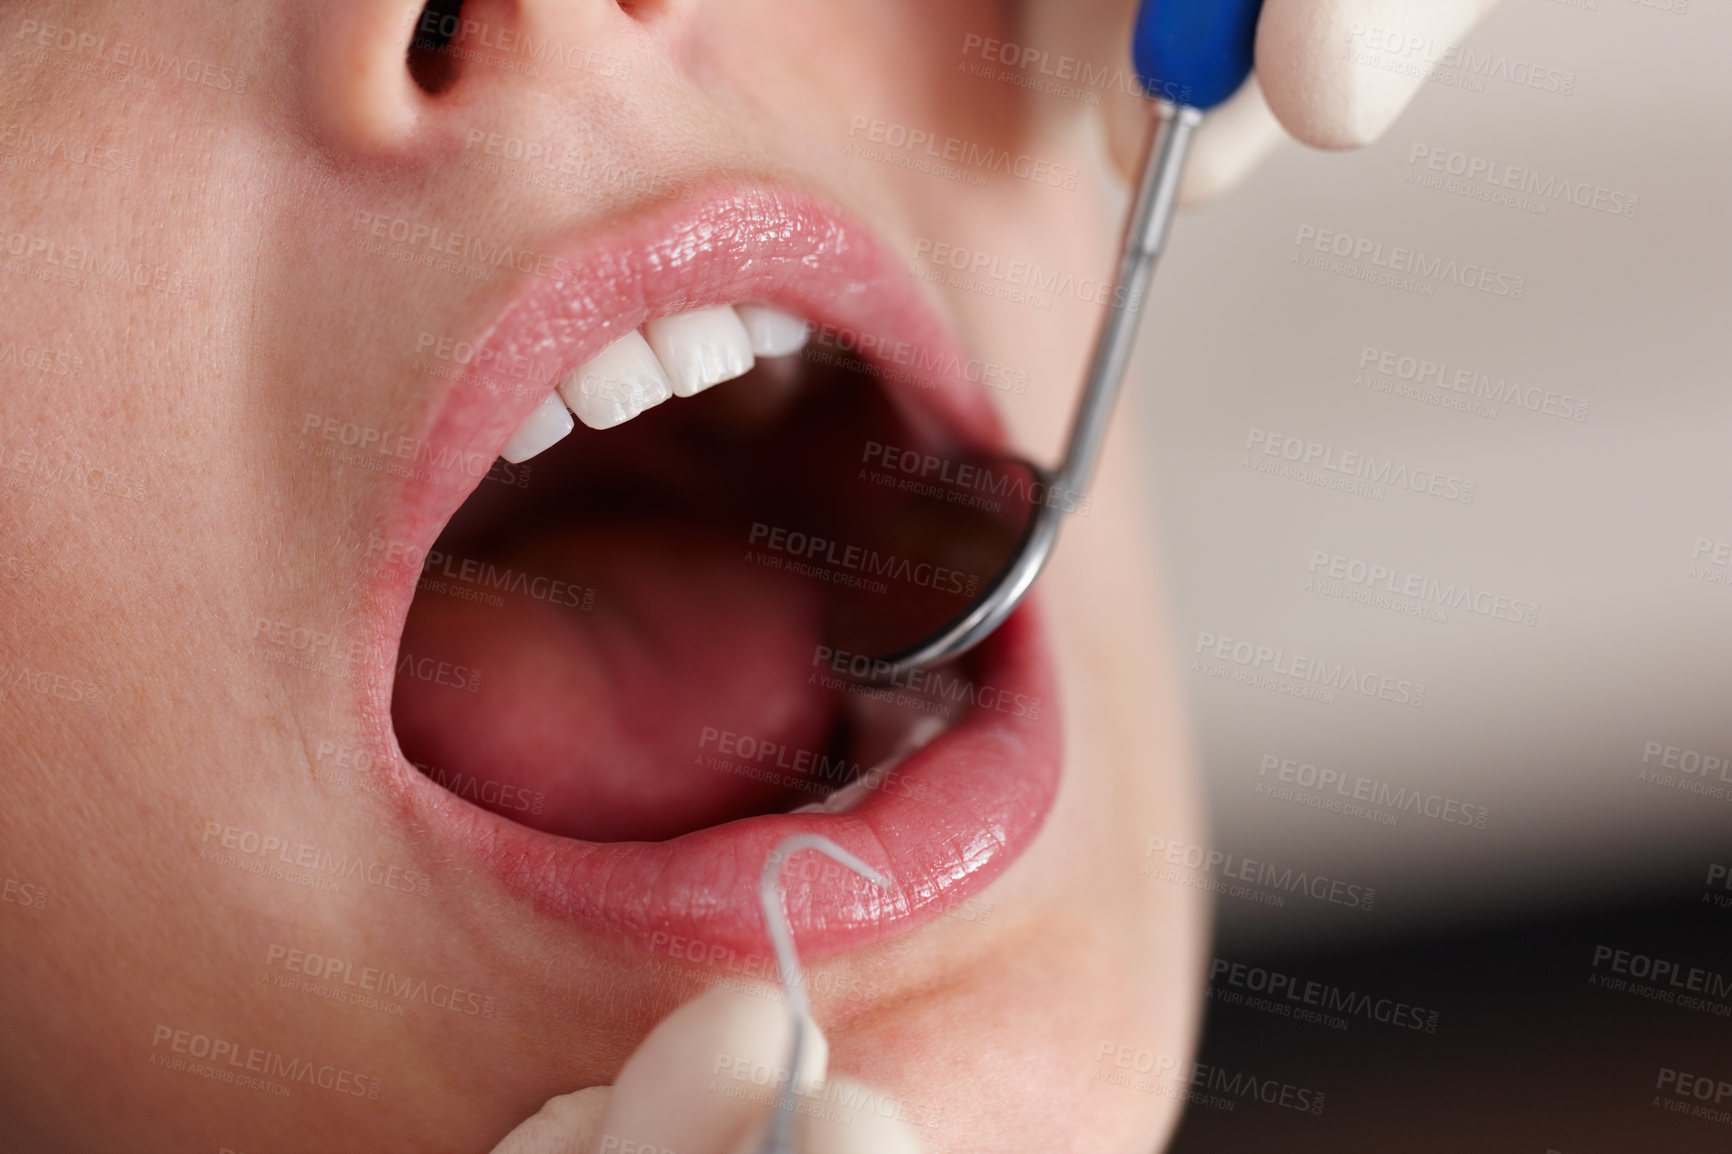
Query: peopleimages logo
{"points": [[229, 1060], [1292, 994], [1711, 561], [956, 150], [902, 360], [1471, 384], [1119, 1064], [128, 58], [1409, 262], [1023, 275], [487, 359], [811, 549], [22, 893], [1202, 860], [434, 240], [22, 139], [69, 262], [1396, 799], [508, 580], [1691, 762], [1515, 182], [1306, 668], [250, 843], [936, 687], [996, 483], [1046, 71], [402, 452], [464, 35], [1702, 1088], [795, 768], [1419, 54], [1374, 578], [1665, 973], [1267, 451], [379, 980], [36, 358], [1269, 1091]]}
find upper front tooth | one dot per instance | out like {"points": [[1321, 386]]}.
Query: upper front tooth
{"points": [[774, 333], [548, 424], [616, 385], [701, 348]]}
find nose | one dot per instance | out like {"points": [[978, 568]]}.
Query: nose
{"points": [[383, 73]]}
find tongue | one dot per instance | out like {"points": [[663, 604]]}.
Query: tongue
{"points": [[623, 721]]}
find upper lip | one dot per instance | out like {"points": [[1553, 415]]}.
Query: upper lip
{"points": [[989, 781]]}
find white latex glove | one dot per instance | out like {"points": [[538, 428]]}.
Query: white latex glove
{"points": [[1332, 73], [703, 1082]]}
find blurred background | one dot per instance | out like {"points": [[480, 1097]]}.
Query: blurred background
{"points": [[1441, 437]]}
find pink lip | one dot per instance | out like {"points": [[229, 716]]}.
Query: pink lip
{"points": [[964, 807]]}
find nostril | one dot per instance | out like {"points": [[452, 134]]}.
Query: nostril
{"points": [[432, 62]]}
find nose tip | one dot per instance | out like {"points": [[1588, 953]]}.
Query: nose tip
{"points": [[358, 81], [380, 69]]}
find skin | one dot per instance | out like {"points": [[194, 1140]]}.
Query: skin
{"points": [[140, 593]]}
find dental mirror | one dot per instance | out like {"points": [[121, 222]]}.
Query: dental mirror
{"points": [[988, 525]]}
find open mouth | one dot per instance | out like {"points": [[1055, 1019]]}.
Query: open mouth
{"points": [[628, 667]]}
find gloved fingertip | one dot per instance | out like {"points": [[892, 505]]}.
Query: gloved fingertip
{"points": [[567, 1124], [708, 1071], [1329, 73]]}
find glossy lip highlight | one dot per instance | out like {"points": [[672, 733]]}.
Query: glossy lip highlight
{"points": [[990, 778]]}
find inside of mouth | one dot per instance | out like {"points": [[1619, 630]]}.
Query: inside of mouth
{"points": [[648, 630]]}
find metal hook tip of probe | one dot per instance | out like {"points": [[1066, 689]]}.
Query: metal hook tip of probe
{"points": [[780, 1139]]}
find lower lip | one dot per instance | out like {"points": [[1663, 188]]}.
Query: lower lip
{"points": [[948, 821]]}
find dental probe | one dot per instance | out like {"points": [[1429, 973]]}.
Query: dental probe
{"points": [[1190, 56], [780, 1139]]}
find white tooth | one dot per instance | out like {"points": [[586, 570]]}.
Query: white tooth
{"points": [[546, 426], [617, 384], [774, 333], [701, 348]]}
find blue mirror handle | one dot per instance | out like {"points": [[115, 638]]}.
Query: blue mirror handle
{"points": [[1195, 52]]}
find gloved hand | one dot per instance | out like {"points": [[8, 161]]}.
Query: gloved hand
{"points": [[1331, 73], [704, 1082]]}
